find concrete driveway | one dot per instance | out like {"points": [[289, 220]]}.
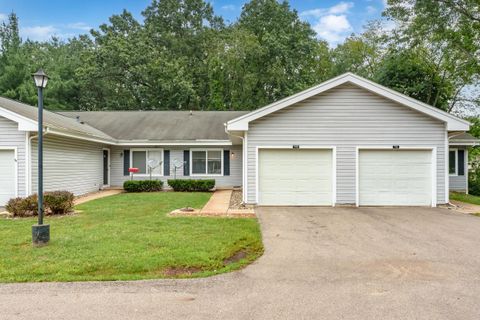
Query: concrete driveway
{"points": [[320, 263]]}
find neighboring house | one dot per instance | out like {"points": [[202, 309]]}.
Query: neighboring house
{"points": [[458, 160], [345, 141]]}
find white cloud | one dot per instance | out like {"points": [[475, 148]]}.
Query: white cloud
{"points": [[333, 28], [371, 9], [331, 24], [342, 7], [3, 16], [228, 7], [339, 8], [79, 26], [38, 33]]}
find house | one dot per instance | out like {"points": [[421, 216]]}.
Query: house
{"points": [[345, 141]]}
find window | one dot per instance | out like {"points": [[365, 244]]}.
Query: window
{"points": [[206, 162], [452, 162], [139, 158]]}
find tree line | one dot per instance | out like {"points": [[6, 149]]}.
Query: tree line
{"points": [[183, 56]]}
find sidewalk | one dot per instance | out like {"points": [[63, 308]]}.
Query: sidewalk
{"points": [[96, 195], [218, 206], [464, 207]]}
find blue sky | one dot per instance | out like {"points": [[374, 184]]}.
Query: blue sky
{"points": [[333, 20]]}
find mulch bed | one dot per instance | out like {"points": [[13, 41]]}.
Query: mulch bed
{"points": [[236, 201], [236, 209]]}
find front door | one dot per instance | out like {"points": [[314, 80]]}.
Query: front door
{"points": [[106, 155]]}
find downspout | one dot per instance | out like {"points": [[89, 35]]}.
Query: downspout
{"points": [[244, 187], [29, 174]]}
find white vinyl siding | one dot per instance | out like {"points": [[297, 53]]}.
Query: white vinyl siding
{"points": [[310, 185], [347, 117], [176, 153], [8, 184], [69, 164], [395, 177], [10, 137]]}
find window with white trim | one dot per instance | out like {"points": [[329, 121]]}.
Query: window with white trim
{"points": [[139, 158], [452, 162], [206, 162]]}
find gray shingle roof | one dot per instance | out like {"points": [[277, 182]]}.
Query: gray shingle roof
{"points": [[52, 119], [464, 137], [159, 125], [133, 125]]}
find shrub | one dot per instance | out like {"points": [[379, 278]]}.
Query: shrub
{"points": [[474, 179], [191, 185], [142, 185], [474, 186], [23, 207], [58, 202]]}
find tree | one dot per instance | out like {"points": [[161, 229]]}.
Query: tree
{"points": [[290, 54], [410, 73], [362, 54], [450, 29], [180, 33]]}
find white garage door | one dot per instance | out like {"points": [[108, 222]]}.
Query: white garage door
{"points": [[7, 176], [395, 177], [295, 177]]}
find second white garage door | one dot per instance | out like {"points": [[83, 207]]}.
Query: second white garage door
{"points": [[395, 177], [295, 177]]}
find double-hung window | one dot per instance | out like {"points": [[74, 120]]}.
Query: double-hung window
{"points": [[147, 161], [206, 162]]}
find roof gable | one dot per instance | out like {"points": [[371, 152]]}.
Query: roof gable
{"points": [[453, 123]]}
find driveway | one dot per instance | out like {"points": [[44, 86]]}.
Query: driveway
{"points": [[319, 263]]}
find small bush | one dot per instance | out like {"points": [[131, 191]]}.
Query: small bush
{"points": [[142, 185], [474, 179], [58, 202], [192, 185], [23, 207], [474, 187]]}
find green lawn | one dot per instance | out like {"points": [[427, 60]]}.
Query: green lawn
{"points": [[465, 198], [126, 237]]}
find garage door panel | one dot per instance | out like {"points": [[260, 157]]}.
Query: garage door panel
{"points": [[7, 175], [295, 177], [395, 177]]}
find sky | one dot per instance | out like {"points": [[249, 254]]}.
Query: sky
{"points": [[332, 20]]}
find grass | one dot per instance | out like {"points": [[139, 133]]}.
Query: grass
{"points": [[465, 198], [128, 237]]}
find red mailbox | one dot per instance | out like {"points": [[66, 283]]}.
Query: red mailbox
{"points": [[132, 171]]}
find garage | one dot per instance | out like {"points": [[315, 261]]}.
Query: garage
{"points": [[395, 177], [7, 175], [295, 177]]}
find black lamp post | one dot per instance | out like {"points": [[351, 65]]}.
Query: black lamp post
{"points": [[40, 231]]}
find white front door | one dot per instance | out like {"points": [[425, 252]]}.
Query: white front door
{"points": [[395, 177], [295, 177], [7, 176]]}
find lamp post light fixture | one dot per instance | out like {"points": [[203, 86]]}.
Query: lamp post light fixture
{"points": [[40, 231]]}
